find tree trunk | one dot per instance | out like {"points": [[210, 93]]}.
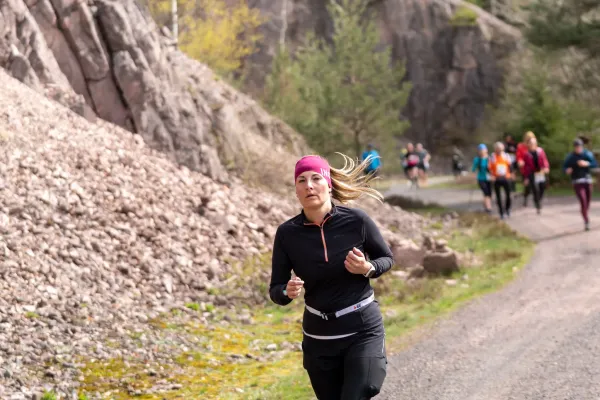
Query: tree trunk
{"points": [[357, 145], [284, 24], [174, 21]]}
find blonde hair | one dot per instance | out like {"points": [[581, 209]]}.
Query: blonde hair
{"points": [[528, 135], [350, 182]]}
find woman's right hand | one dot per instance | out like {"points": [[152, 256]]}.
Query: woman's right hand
{"points": [[294, 287]]}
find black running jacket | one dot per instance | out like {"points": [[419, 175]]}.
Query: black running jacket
{"points": [[316, 254]]}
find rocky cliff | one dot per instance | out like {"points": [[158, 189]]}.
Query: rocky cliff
{"points": [[455, 69], [107, 59]]}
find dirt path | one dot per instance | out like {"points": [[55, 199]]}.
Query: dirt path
{"points": [[539, 338]]}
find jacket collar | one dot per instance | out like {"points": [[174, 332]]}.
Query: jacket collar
{"points": [[330, 214]]}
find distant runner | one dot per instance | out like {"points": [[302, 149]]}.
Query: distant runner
{"points": [[522, 149], [480, 165], [535, 169], [500, 166], [424, 158], [335, 253], [375, 165], [578, 165], [457, 162], [410, 163], [510, 147]]}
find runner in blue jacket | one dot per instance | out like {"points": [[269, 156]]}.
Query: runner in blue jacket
{"points": [[578, 165]]}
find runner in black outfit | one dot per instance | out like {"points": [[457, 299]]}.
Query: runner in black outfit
{"points": [[334, 252], [510, 146]]}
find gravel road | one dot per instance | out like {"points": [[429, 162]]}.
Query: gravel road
{"points": [[539, 338]]}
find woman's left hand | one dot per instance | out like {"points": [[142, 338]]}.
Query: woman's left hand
{"points": [[356, 263]]}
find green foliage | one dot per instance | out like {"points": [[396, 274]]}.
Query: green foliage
{"points": [[464, 16], [82, 396], [49, 395], [558, 24], [535, 105], [218, 33], [193, 306], [342, 94]]}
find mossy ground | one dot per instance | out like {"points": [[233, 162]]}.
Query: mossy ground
{"points": [[220, 362]]}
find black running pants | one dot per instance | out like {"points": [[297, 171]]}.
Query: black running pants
{"points": [[499, 185], [537, 189], [351, 368]]}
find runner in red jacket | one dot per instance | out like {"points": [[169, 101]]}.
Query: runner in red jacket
{"points": [[520, 154], [535, 168]]}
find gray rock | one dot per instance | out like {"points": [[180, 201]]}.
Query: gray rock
{"points": [[271, 347], [441, 263]]}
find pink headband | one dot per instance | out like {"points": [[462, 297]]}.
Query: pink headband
{"points": [[315, 164]]}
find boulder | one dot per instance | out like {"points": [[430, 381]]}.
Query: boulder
{"points": [[407, 254], [441, 262]]}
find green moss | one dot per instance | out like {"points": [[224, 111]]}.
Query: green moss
{"points": [[223, 362], [49, 396], [464, 16], [31, 315], [193, 306]]}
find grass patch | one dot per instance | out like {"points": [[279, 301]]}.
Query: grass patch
{"points": [[499, 249], [230, 361], [49, 396]]}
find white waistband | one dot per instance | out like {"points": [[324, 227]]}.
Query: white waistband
{"points": [[343, 311], [327, 337]]}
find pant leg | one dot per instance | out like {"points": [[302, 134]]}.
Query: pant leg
{"points": [[497, 186], [541, 191], [526, 190], [534, 189], [365, 366], [325, 367], [507, 189], [588, 192], [581, 192]]}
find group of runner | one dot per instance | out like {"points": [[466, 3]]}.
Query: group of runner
{"points": [[498, 172]]}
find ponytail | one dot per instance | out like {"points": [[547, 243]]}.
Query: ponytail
{"points": [[350, 182]]}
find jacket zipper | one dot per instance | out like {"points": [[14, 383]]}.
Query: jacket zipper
{"points": [[322, 236]]}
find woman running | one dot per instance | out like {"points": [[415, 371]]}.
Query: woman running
{"points": [[578, 164], [334, 251], [480, 164], [522, 150], [500, 164], [535, 169]]}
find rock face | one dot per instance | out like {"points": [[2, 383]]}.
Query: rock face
{"points": [[109, 60], [455, 70]]}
